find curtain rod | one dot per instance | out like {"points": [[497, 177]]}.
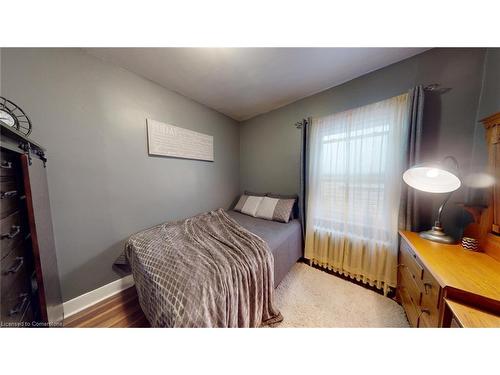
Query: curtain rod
{"points": [[429, 87]]}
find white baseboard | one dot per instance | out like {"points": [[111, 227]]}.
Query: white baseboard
{"points": [[80, 303]]}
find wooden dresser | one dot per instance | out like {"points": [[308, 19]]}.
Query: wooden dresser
{"points": [[29, 279], [492, 127], [429, 273]]}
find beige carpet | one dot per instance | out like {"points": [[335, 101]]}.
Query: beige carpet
{"points": [[308, 297]]}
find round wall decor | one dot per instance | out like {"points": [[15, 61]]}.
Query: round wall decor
{"points": [[14, 116]]}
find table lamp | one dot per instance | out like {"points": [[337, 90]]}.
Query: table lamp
{"points": [[435, 178]]}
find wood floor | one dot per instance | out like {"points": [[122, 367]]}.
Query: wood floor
{"points": [[121, 310]]}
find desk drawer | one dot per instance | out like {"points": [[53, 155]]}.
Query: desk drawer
{"points": [[428, 319], [408, 260], [411, 310], [430, 299], [411, 287]]}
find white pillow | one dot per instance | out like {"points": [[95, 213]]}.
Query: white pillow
{"points": [[240, 203], [251, 205], [266, 208]]}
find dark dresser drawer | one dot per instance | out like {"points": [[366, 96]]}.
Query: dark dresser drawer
{"points": [[17, 310], [14, 271], [9, 198], [10, 233], [7, 164], [15, 288]]}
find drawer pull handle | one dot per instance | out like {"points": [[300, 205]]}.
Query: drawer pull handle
{"points": [[427, 287], [14, 231], [8, 194], [424, 311], [15, 267], [6, 165], [21, 305], [401, 265]]}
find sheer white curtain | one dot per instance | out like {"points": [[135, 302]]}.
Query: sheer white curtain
{"points": [[354, 185]]}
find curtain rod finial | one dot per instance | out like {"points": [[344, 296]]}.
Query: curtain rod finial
{"points": [[300, 124], [432, 87]]}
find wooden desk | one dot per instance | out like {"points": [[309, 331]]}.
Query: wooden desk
{"points": [[430, 272], [464, 316]]}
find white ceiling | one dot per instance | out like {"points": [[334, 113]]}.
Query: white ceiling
{"points": [[245, 82]]}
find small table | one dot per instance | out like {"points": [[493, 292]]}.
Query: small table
{"points": [[458, 315]]}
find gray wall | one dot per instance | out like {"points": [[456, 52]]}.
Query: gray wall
{"points": [[490, 96], [489, 103], [103, 186], [269, 143]]}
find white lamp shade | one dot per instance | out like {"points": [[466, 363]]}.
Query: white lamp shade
{"points": [[432, 179]]}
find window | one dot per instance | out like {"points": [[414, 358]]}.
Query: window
{"points": [[354, 187], [355, 169]]}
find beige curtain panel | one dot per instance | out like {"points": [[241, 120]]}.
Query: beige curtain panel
{"points": [[355, 165]]}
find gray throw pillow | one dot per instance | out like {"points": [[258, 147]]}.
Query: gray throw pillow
{"points": [[255, 194], [295, 210]]}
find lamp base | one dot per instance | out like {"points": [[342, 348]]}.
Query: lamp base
{"points": [[436, 234]]}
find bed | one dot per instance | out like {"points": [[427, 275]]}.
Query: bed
{"points": [[216, 269], [284, 240]]}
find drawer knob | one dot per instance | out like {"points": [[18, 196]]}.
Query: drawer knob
{"points": [[8, 194], [15, 267], [14, 231], [6, 165], [24, 298]]}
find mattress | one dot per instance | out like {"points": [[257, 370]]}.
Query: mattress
{"points": [[284, 240]]}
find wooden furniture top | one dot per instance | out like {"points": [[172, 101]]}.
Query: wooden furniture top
{"points": [[469, 317], [453, 266], [492, 120]]}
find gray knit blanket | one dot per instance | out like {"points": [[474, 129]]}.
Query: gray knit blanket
{"points": [[205, 271]]}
